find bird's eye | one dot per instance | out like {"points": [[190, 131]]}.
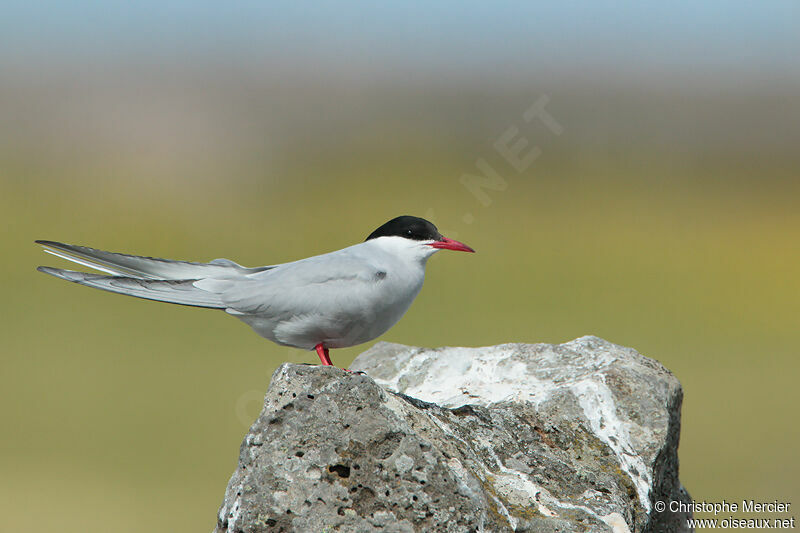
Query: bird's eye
{"points": [[409, 232]]}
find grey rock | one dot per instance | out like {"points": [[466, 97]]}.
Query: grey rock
{"points": [[581, 436]]}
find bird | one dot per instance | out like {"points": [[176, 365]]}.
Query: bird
{"points": [[335, 300]]}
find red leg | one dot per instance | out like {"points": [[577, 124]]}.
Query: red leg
{"points": [[322, 352]]}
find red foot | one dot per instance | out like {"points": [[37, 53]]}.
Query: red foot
{"points": [[322, 352]]}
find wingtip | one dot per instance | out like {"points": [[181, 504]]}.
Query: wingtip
{"points": [[48, 270], [68, 275]]}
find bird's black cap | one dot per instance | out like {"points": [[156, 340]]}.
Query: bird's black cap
{"points": [[414, 228]]}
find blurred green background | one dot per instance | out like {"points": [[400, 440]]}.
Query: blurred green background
{"points": [[663, 217]]}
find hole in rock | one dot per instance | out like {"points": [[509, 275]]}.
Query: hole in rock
{"points": [[340, 470]]}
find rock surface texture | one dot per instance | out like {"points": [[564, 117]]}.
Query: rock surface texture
{"points": [[581, 436]]}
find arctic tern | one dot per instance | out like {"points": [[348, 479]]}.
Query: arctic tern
{"points": [[334, 300]]}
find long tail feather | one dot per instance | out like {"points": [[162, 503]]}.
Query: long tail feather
{"points": [[143, 267], [181, 292]]}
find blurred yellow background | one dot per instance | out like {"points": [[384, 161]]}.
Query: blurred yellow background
{"points": [[663, 217]]}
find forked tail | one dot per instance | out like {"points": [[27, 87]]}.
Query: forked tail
{"points": [[150, 278]]}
